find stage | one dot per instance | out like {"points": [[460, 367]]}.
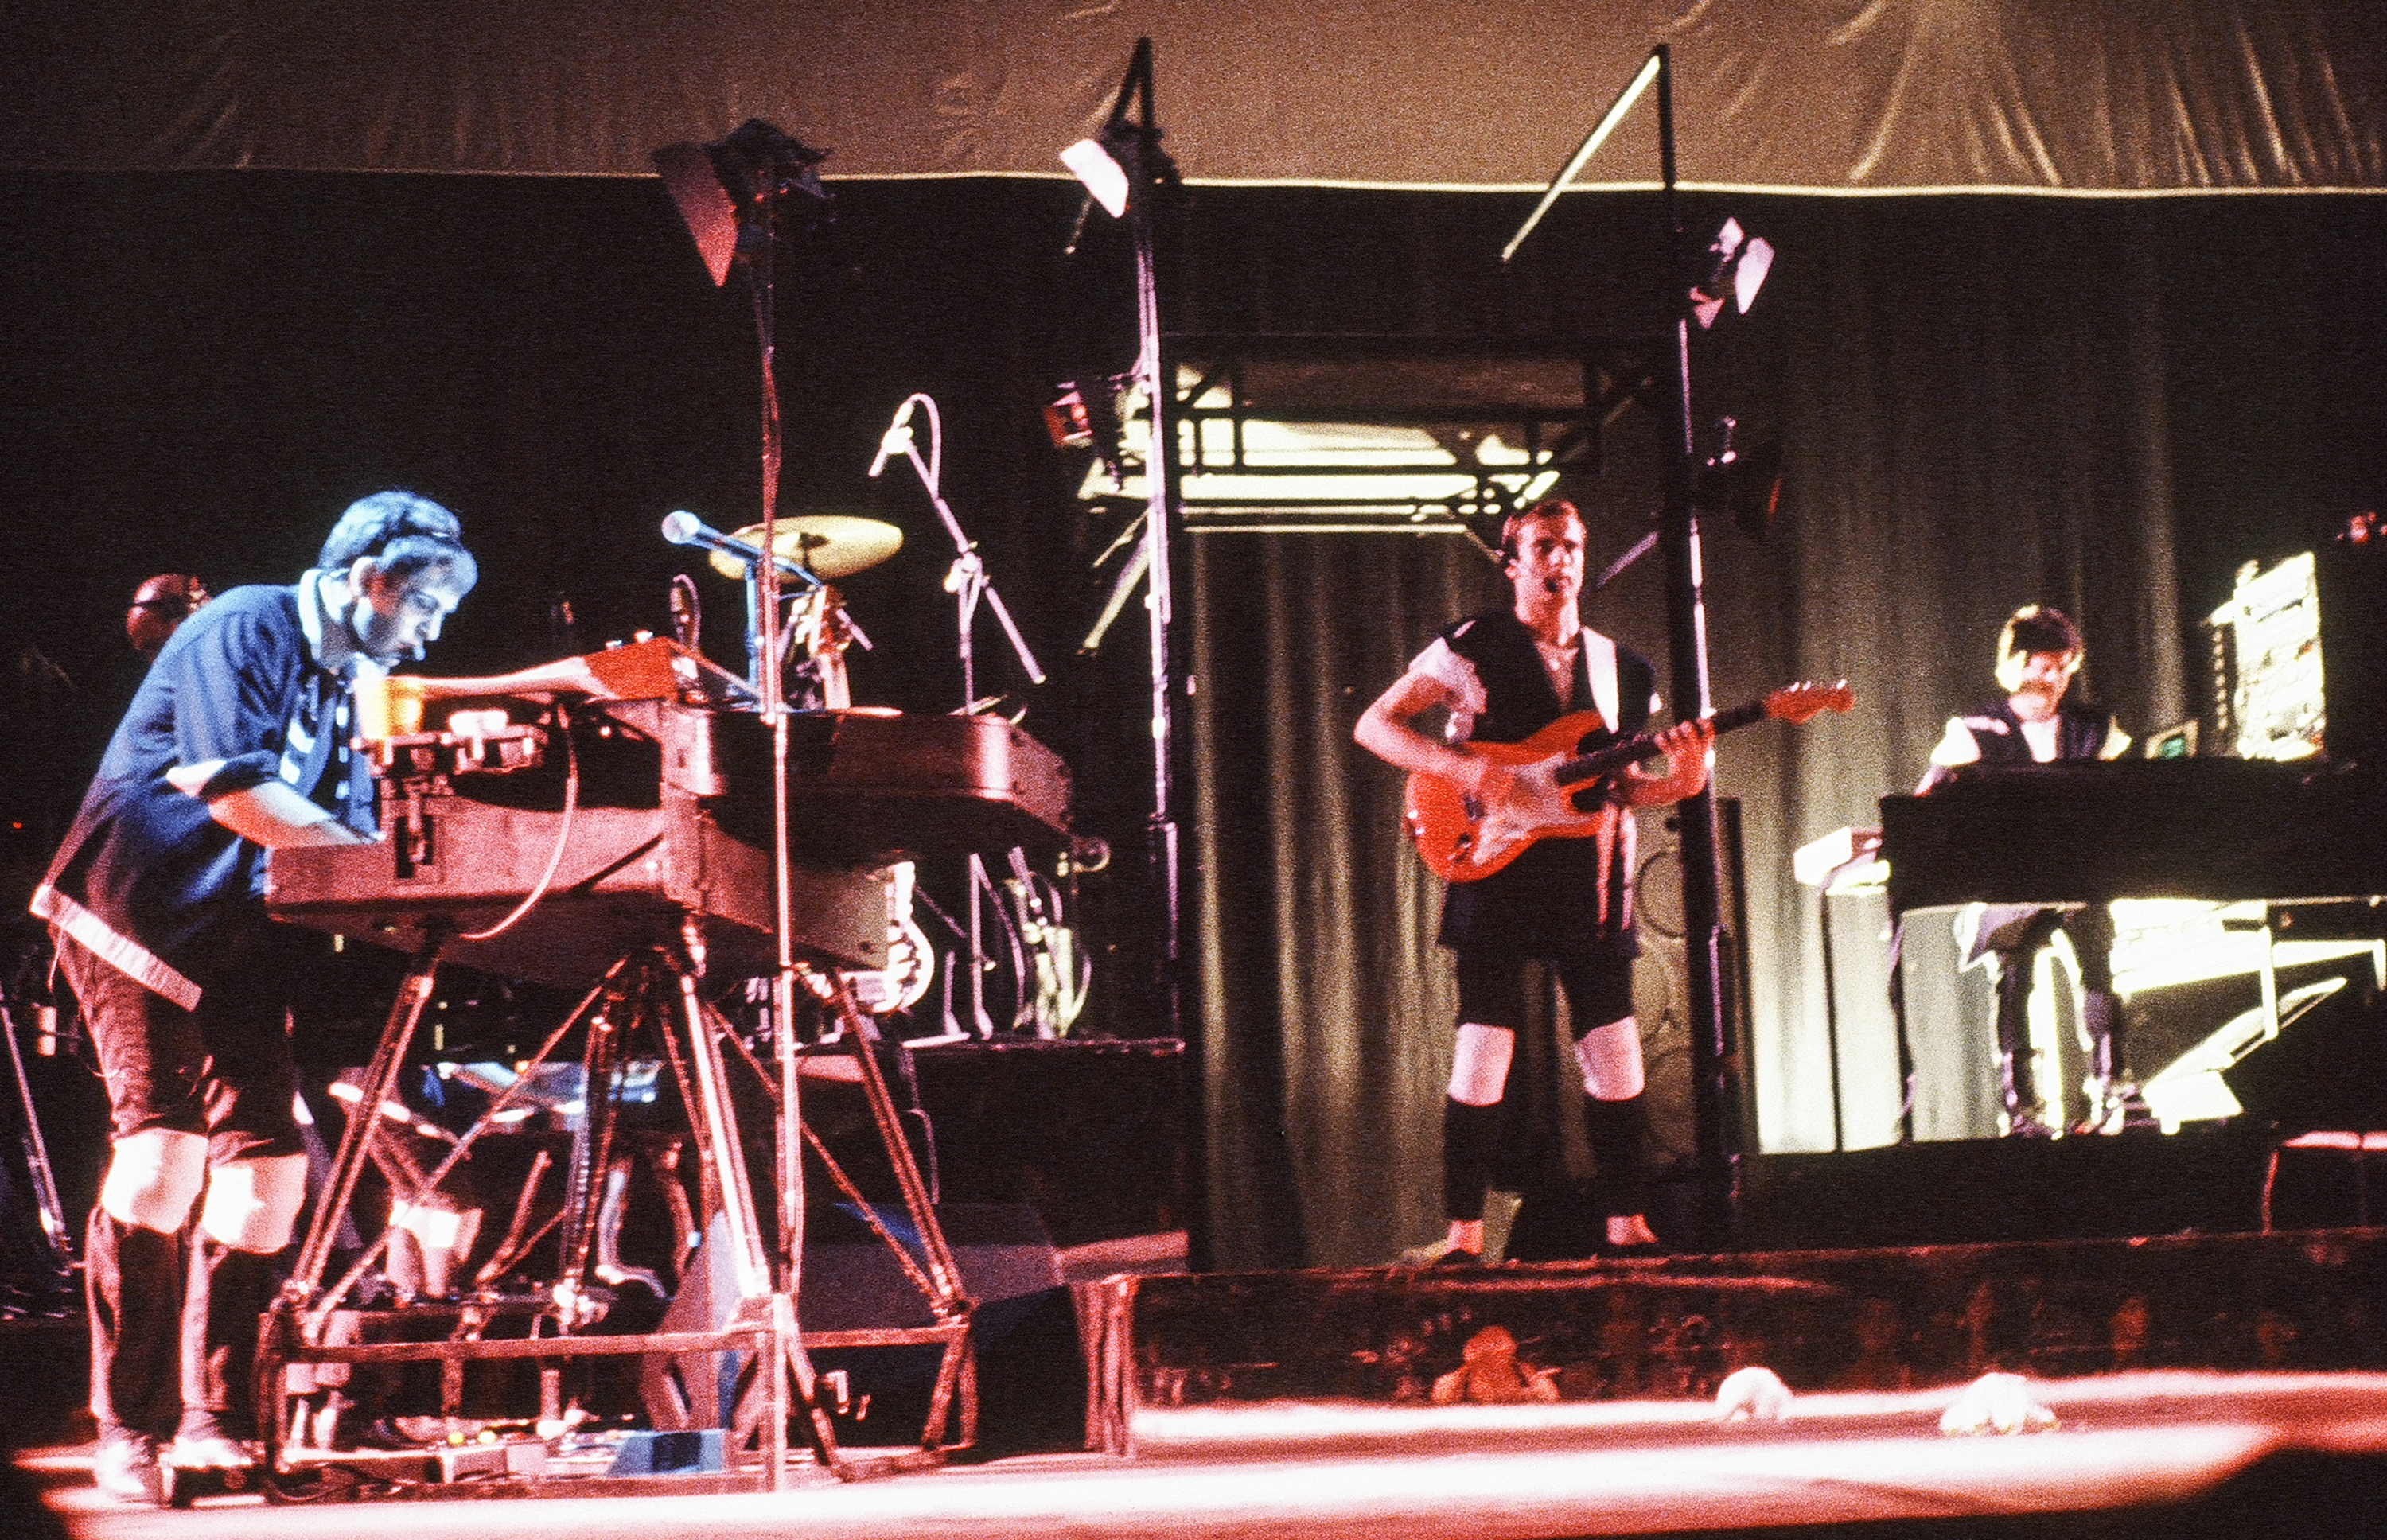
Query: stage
{"points": [[2183, 1384], [2171, 1452]]}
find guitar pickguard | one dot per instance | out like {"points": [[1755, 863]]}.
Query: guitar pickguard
{"points": [[1551, 786]]}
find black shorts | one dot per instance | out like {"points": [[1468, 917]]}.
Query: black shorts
{"points": [[223, 1071], [1491, 990]]}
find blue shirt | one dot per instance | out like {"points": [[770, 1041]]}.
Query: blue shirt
{"points": [[146, 876]]}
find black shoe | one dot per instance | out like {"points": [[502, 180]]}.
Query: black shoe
{"points": [[1458, 1256], [2027, 1124], [124, 1467]]}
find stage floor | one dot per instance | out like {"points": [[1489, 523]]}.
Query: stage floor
{"points": [[2236, 1453]]}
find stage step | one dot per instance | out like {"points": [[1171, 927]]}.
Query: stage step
{"points": [[1669, 1330], [2085, 1187]]}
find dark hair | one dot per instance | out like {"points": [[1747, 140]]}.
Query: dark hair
{"points": [[2038, 628], [403, 532], [1552, 508], [2031, 629]]}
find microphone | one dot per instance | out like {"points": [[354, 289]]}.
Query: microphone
{"points": [[682, 528], [897, 436]]}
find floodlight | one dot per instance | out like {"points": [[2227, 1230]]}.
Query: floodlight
{"points": [[1737, 270], [1096, 166]]}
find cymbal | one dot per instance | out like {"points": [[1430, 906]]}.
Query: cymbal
{"points": [[832, 545]]}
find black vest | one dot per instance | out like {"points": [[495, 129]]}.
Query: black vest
{"points": [[1544, 903], [2080, 733]]}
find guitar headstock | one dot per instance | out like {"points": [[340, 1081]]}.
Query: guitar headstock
{"points": [[1803, 703]]}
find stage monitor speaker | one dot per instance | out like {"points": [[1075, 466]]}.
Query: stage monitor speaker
{"points": [[2326, 1070]]}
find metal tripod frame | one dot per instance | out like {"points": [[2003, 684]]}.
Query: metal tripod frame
{"points": [[780, 1378]]}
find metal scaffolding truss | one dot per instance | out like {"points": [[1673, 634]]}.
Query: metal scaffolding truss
{"points": [[1327, 433]]}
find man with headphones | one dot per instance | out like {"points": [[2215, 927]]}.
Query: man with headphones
{"points": [[158, 606], [1503, 675], [2040, 721], [235, 744]]}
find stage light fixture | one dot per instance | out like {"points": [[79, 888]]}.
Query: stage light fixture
{"points": [[1737, 264], [1112, 164], [1101, 164], [1744, 485], [712, 185]]}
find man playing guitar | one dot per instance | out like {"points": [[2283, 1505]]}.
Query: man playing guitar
{"points": [[1502, 677]]}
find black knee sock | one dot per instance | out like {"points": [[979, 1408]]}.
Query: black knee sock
{"points": [[2015, 1081], [2100, 1017], [1469, 1135], [1617, 1130]]}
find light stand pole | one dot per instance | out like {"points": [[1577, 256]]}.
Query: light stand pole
{"points": [[1133, 147], [1686, 640], [1679, 538], [735, 221]]}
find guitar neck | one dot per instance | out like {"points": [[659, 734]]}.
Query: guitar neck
{"points": [[1643, 745]]}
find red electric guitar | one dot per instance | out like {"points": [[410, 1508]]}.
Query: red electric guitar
{"points": [[1554, 791]]}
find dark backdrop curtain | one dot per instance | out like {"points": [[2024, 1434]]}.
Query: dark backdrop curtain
{"points": [[2106, 405]]}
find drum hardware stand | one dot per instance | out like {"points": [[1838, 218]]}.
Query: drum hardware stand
{"points": [[981, 1025], [50, 1210], [769, 636]]}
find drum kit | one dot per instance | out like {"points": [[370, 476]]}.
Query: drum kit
{"points": [[826, 548], [821, 549]]}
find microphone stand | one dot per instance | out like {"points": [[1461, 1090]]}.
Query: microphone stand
{"points": [[968, 581]]}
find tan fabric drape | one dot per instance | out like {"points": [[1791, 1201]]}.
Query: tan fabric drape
{"points": [[2125, 94]]}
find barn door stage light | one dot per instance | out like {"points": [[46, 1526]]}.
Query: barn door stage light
{"points": [[1734, 267]]}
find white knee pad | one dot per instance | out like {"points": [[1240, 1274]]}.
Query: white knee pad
{"points": [[253, 1204], [1478, 1069], [438, 1228], [1610, 1057], [154, 1178]]}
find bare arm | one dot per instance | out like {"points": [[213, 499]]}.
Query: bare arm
{"points": [[1384, 731], [271, 812], [563, 676]]}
